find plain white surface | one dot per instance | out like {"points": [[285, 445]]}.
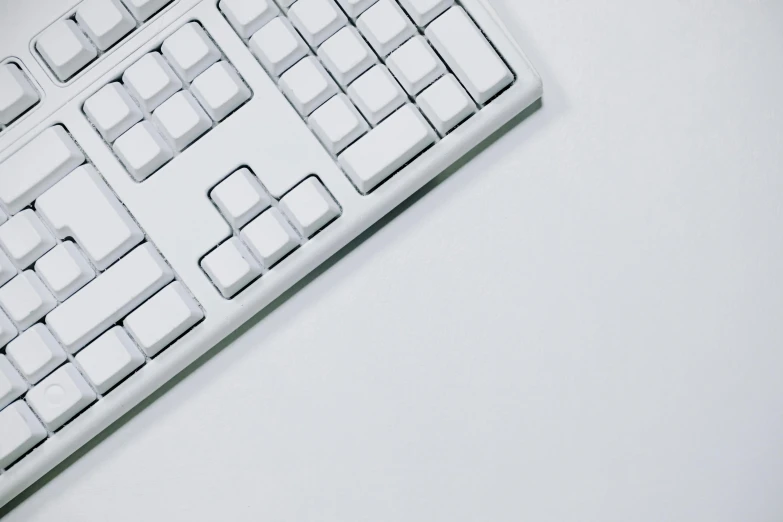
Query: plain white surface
{"points": [[582, 323]]}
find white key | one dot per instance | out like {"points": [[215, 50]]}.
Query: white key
{"points": [[109, 359], [425, 11], [346, 55], [316, 20], [109, 298], [385, 26], [164, 318], [104, 21], [36, 353], [307, 85], [58, 398], [20, 431], [337, 123], [26, 299], [278, 46], [248, 16], [446, 104], [35, 167], [469, 54], [415, 65], [64, 270], [17, 94], [240, 197], [7, 329], [190, 51], [377, 94], [25, 238], [7, 269], [270, 237], [143, 150], [65, 49], [220, 90], [231, 267], [182, 119], [310, 207], [151, 81], [11, 383], [144, 9], [392, 144], [354, 8], [83, 207], [112, 111]]}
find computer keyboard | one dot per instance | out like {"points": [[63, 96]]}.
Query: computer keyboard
{"points": [[169, 168]]}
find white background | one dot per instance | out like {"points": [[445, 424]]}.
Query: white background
{"points": [[582, 323]]}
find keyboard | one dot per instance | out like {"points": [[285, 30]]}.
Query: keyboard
{"points": [[169, 168]]}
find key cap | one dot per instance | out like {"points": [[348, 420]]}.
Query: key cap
{"points": [[346, 55], [182, 119], [112, 111], [446, 104], [104, 21], [109, 359], [144, 9], [337, 124], [387, 148], [143, 150], [240, 197], [26, 299], [17, 94], [65, 49], [316, 20], [25, 238], [151, 81], [469, 55], [163, 319], [36, 353], [109, 298], [277, 46], [310, 207], [307, 85], [64, 270], [11, 383], [38, 165], [231, 267], [219, 90], [83, 207], [7, 329], [248, 16], [425, 11], [385, 26], [415, 65], [20, 431], [190, 51], [354, 8], [59, 397], [377, 94], [7, 269], [270, 237]]}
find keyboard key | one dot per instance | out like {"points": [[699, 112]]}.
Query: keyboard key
{"points": [[278, 46], [109, 298], [270, 237], [83, 207], [469, 55], [36, 353], [385, 26], [35, 167], [64, 270], [104, 21], [387, 148], [248, 16], [446, 104], [26, 299], [25, 238], [346, 55], [219, 90], [65, 49], [7, 329], [151, 81], [415, 65], [11, 383], [231, 267], [316, 20], [377, 94], [144, 9], [240, 197], [190, 51], [20, 431], [425, 11], [109, 359], [307, 85], [7, 269], [143, 150], [337, 124], [17, 94], [112, 111], [310, 207], [182, 119], [60, 397], [164, 318], [354, 8]]}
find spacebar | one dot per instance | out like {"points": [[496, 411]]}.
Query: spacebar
{"points": [[115, 293]]}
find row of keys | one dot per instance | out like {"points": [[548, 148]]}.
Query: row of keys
{"points": [[17, 93]]}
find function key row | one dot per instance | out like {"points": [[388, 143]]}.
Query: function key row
{"points": [[17, 93]]}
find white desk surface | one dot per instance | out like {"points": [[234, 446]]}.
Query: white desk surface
{"points": [[584, 323]]}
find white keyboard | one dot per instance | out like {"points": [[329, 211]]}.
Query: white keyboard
{"points": [[169, 168]]}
